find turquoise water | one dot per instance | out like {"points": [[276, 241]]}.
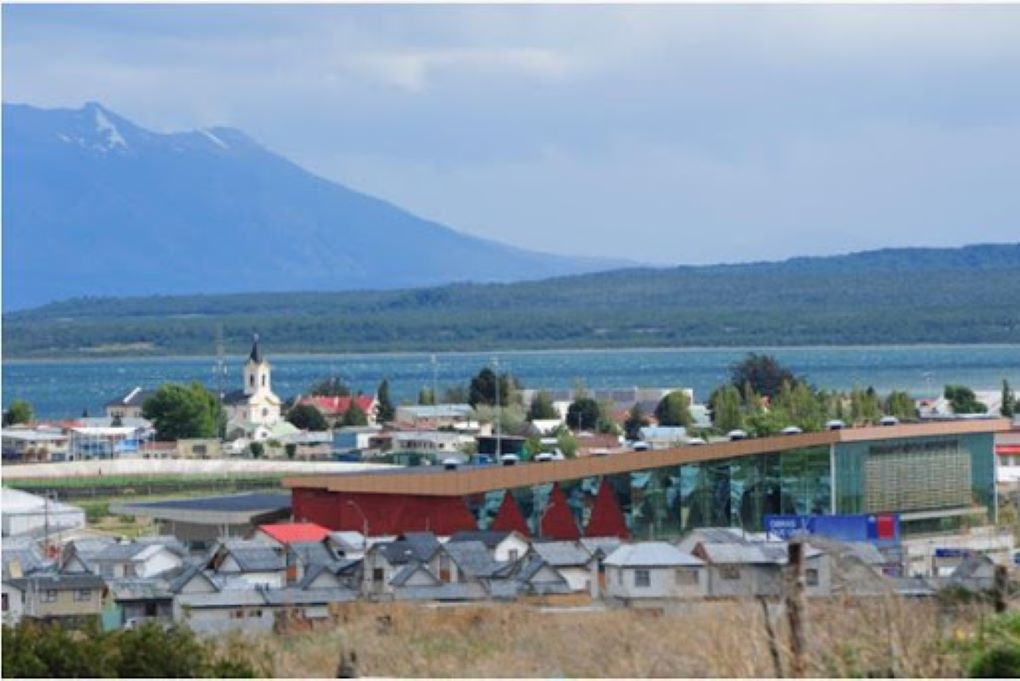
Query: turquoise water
{"points": [[64, 388]]}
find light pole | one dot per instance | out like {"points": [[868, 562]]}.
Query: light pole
{"points": [[364, 518], [541, 518], [499, 413]]}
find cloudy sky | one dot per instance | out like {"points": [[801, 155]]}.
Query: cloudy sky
{"points": [[664, 134]]}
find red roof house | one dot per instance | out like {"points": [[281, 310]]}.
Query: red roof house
{"points": [[336, 407], [294, 533]]}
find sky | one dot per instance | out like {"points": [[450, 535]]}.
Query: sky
{"points": [[663, 134]]}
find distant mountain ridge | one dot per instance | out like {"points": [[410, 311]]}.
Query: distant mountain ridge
{"points": [[891, 296], [96, 205]]}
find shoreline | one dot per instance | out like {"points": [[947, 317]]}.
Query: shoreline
{"points": [[507, 351]]}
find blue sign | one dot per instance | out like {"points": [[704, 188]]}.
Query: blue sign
{"points": [[881, 529], [951, 553]]}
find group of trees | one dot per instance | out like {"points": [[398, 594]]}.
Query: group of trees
{"points": [[41, 650], [19, 412], [184, 411]]}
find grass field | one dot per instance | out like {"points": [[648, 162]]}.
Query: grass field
{"points": [[719, 639], [83, 482]]}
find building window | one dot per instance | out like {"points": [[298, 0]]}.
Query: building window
{"points": [[49, 596], [619, 576], [811, 577], [729, 572], [513, 555], [378, 574], [6, 604], [129, 570], [263, 380], [642, 578], [83, 595], [251, 381], [686, 577]]}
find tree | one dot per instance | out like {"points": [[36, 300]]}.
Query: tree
{"points": [[384, 410], [291, 450], [426, 396], [533, 446], [330, 387], [542, 407], [355, 416], [307, 417], [800, 406], [455, 394], [760, 374], [583, 414], [257, 450], [1008, 408], [963, 400], [636, 420], [899, 404], [482, 389], [726, 414], [566, 443], [20, 411], [674, 410], [184, 411], [864, 406]]}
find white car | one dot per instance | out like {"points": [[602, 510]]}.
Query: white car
{"points": [[834, 424], [737, 435], [791, 430], [509, 459], [695, 441], [543, 456], [450, 464], [889, 421]]}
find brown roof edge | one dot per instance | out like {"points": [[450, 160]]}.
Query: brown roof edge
{"points": [[436, 482]]}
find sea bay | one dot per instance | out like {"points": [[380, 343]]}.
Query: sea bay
{"points": [[66, 388]]}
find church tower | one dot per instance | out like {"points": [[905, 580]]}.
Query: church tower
{"points": [[256, 371]]}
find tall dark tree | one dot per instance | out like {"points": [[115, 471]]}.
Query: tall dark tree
{"points": [[726, 414], [674, 410], [900, 405], [426, 396], [184, 411], [483, 388], [542, 407], [384, 411], [584, 414], [760, 374], [636, 420], [307, 417], [1008, 407]]}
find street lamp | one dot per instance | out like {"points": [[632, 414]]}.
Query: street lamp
{"points": [[364, 518], [541, 518]]}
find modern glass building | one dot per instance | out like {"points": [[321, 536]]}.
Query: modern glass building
{"points": [[936, 476]]}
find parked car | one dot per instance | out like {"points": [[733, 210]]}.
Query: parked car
{"points": [[889, 421], [737, 435], [695, 441], [834, 424], [791, 430]]}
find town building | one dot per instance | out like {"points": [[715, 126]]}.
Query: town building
{"points": [[129, 405], [24, 513], [22, 444], [934, 475], [334, 407], [650, 572], [255, 404]]}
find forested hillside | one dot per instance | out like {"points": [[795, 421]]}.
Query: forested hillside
{"points": [[967, 295]]}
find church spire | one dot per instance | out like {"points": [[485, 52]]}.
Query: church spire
{"points": [[256, 351]]}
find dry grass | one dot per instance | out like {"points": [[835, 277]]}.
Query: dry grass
{"points": [[861, 638]]}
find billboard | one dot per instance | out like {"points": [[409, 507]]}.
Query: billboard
{"points": [[881, 529]]}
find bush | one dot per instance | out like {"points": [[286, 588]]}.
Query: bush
{"points": [[37, 650], [1000, 662]]}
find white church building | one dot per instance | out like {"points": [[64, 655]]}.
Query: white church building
{"points": [[254, 410]]}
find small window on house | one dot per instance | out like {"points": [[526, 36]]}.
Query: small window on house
{"points": [[130, 571], [83, 595], [513, 554], [50, 596], [378, 574], [619, 576], [729, 572], [6, 604], [642, 578], [263, 380], [685, 577], [265, 411], [251, 381], [811, 577]]}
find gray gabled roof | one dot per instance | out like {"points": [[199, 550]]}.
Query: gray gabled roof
{"points": [[650, 554], [406, 572], [442, 592], [314, 553], [176, 581], [292, 596], [138, 589], [252, 556], [420, 546], [58, 582], [562, 553], [340, 568], [473, 558], [28, 557]]}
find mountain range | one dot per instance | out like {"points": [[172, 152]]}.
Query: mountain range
{"points": [[96, 205], [894, 296]]}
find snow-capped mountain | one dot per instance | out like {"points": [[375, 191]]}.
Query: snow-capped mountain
{"points": [[96, 205]]}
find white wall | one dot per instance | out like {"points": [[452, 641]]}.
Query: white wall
{"points": [[620, 583], [15, 606]]}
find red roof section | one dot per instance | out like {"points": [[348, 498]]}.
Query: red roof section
{"points": [[338, 406], [291, 533], [1007, 450]]}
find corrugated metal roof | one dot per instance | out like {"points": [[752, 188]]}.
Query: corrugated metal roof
{"points": [[650, 554], [473, 558], [562, 553]]}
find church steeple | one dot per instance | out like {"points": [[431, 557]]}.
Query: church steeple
{"points": [[256, 370], [256, 351]]}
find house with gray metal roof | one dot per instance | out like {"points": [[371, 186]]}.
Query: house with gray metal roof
{"points": [[650, 572], [505, 545], [579, 567], [254, 563]]}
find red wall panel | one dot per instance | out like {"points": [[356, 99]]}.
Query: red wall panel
{"points": [[557, 521], [509, 517], [606, 518]]}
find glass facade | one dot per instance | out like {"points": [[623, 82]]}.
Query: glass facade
{"points": [[925, 475]]}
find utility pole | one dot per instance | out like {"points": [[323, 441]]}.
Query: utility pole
{"points": [[435, 389], [499, 413], [795, 608]]}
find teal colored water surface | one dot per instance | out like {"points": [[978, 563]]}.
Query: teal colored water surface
{"points": [[64, 388]]}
